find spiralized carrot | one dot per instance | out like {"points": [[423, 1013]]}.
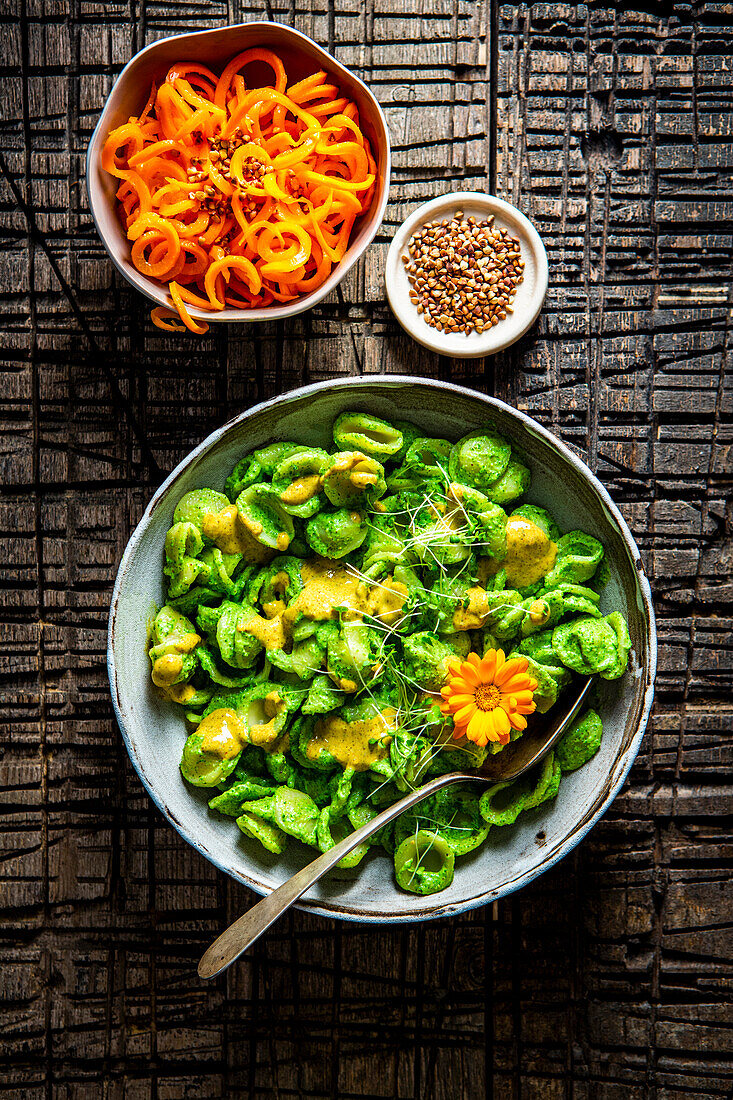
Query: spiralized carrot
{"points": [[239, 195]]}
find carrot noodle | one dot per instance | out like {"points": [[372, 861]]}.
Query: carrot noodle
{"points": [[239, 195], [183, 313], [163, 318]]}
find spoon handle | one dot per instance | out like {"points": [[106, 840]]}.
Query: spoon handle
{"points": [[235, 940]]}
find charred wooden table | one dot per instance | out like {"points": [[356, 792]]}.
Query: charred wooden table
{"points": [[612, 976]]}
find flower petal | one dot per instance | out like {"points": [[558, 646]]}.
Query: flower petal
{"points": [[460, 684], [488, 666], [511, 668], [518, 682], [461, 698], [501, 720], [469, 676], [462, 717], [526, 708], [493, 735], [478, 729]]}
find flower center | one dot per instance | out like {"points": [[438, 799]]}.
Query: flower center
{"points": [[487, 697]]}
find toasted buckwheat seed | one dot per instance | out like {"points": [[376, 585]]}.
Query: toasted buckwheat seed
{"points": [[463, 273]]}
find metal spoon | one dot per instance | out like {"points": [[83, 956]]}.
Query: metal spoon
{"points": [[516, 759]]}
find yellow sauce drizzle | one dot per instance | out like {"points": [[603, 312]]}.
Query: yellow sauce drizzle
{"points": [[273, 704], [349, 686], [230, 533], [265, 733], [223, 734], [539, 612], [327, 585], [169, 666], [273, 608], [387, 599], [361, 479], [269, 632], [353, 472], [167, 669], [348, 742], [279, 583], [530, 553], [474, 614], [487, 567], [301, 490], [180, 693]]}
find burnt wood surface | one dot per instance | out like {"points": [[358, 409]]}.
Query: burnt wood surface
{"points": [[612, 975]]}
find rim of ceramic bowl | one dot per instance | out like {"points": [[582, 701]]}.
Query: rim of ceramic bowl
{"points": [[149, 287], [530, 297], [622, 763]]}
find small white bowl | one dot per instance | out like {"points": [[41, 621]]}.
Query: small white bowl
{"points": [[215, 48], [530, 293]]}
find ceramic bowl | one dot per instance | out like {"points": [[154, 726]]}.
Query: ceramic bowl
{"points": [[154, 730], [215, 48], [530, 293]]}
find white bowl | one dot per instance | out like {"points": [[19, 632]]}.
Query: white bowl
{"points": [[530, 293], [154, 730], [215, 48]]}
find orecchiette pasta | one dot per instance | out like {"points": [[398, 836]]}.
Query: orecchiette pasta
{"points": [[313, 612], [362, 432], [336, 534]]}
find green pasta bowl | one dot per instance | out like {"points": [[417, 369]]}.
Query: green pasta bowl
{"points": [[304, 584]]}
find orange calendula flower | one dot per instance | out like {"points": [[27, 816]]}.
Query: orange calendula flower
{"points": [[488, 697]]}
